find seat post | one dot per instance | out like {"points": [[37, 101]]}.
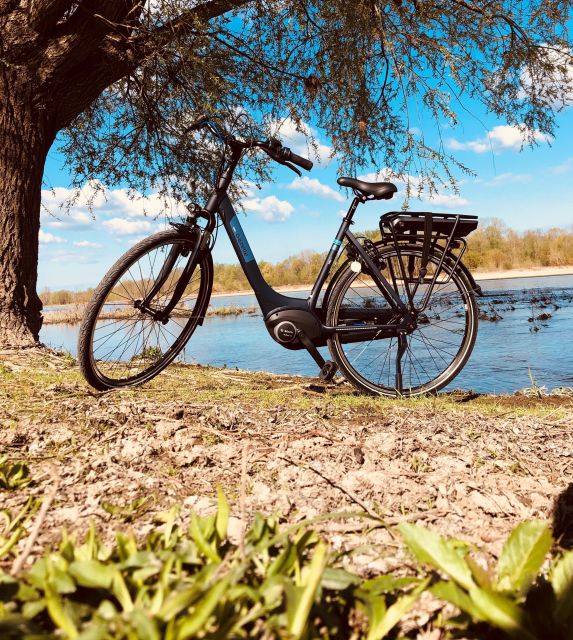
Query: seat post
{"points": [[352, 209]]}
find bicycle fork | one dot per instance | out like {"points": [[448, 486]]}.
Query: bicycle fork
{"points": [[175, 253]]}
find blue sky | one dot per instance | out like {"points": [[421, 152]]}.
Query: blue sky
{"points": [[525, 188]]}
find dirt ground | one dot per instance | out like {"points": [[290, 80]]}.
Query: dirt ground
{"points": [[468, 466]]}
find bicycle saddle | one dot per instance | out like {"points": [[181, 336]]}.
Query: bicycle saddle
{"points": [[378, 190]]}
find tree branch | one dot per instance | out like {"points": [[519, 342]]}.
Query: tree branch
{"points": [[201, 13], [45, 14], [116, 57]]}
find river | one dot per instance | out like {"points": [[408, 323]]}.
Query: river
{"points": [[510, 354]]}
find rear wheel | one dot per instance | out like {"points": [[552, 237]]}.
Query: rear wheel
{"points": [[434, 352], [120, 344]]}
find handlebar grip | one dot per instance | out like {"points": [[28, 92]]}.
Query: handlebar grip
{"points": [[304, 163]]}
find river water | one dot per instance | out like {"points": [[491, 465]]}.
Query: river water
{"points": [[511, 353]]}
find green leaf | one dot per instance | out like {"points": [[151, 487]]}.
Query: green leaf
{"points": [[500, 612], [144, 626], [386, 584], [177, 602], [91, 573], [395, 613], [58, 614], [562, 582], [201, 541], [205, 607], [222, 520], [431, 548], [94, 631], [107, 610], [121, 592], [453, 593], [338, 579], [312, 574], [284, 562], [481, 576], [522, 556]]}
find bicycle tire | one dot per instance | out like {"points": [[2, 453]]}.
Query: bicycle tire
{"points": [[141, 346], [361, 362]]}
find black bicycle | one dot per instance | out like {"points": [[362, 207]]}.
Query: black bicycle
{"points": [[399, 315]]}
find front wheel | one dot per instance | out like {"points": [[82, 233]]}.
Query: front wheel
{"points": [[434, 352], [125, 338]]}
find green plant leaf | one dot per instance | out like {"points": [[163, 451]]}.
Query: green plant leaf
{"points": [[386, 584], [453, 593], [91, 573], [222, 519], [201, 541], [431, 548], [58, 614], [121, 592], [311, 577], [145, 627], [481, 575], [177, 602], [561, 579], [203, 610], [501, 612], [338, 579], [395, 613], [522, 556]]}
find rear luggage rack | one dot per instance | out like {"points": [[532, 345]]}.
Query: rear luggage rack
{"points": [[443, 231], [443, 224]]}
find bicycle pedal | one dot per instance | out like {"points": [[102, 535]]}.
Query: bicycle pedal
{"points": [[328, 371]]}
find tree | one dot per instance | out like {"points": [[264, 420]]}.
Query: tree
{"points": [[118, 81]]}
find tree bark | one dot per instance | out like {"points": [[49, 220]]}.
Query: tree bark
{"points": [[25, 143], [53, 65]]}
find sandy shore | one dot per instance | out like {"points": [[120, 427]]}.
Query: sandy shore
{"points": [[536, 272]]}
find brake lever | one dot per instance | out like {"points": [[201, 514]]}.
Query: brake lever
{"points": [[291, 167]]}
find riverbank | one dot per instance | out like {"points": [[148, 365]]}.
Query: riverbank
{"points": [[533, 272], [74, 313], [466, 465]]}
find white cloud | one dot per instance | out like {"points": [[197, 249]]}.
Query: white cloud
{"points": [[500, 138], [270, 208], [508, 178], [75, 208], [87, 244], [314, 186], [49, 238], [73, 220], [71, 258], [122, 227], [562, 168], [556, 80], [448, 200], [298, 140]]}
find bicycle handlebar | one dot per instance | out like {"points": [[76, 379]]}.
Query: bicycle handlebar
{"points": [[272, 147]]}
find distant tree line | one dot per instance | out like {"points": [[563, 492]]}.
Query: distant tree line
{"points": [[494, 246], [491, 247]]}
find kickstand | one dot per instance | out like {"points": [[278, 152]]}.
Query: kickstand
{"points": [[327, 367], [402, 346]]}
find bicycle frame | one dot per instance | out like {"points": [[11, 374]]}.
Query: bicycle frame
{"points": [[269, 299]]}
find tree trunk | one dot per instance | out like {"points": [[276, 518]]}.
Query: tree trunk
{"points": [[25, 143]]}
